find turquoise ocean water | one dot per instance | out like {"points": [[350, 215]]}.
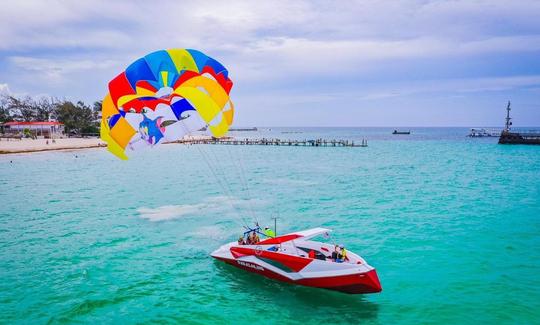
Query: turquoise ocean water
{"points": [[451, 224]]}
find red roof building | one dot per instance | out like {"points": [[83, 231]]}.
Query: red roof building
{"points": [[32, 123], [44, 128]]}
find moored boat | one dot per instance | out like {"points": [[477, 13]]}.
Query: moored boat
{"points": [[401, 132], [295, 258], [481, 133]]}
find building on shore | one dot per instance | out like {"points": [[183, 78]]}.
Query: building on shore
{"points": [[44, 129]]}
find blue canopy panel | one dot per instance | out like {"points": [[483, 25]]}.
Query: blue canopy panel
{"points": [[113, 119], [180, 107], [218, 67], [139, 70], [160, 61]]}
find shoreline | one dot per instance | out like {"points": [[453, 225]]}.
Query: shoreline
{"points": [[2, 152], [41, 145], [64, 144]]}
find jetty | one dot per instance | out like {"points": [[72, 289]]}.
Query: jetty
{"points": [[510, 137], [233, 129], [276, 142], [244, 129]]}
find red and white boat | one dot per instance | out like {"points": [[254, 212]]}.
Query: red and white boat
{"points": [[286, 258]]}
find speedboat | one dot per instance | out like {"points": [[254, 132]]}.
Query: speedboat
{"points": [[401, 132], [287, 258]]}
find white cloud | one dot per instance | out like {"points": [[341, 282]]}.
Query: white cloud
{"points": [[4, 89], [458, 86], [268, 46], [286, 57], [455, 86], [233, 25], [55, 69]]}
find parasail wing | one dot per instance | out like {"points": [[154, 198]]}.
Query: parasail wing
{"points": [[147, 101]]}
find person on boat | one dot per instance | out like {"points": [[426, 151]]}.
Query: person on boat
{"points": [[335, 253], [256, 238], [252, 238], [342, 253], [241, 241], [269, 232], [311, 254]]}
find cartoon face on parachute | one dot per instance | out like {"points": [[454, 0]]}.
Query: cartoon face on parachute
{"points": [[151, 130], [163, 97]]}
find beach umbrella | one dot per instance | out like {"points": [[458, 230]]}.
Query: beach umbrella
{"points": [[164, 96]]}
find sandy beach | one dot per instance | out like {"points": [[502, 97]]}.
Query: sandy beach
{"points": [[29, 145]]}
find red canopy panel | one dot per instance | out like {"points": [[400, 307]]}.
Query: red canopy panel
{"points": [[279, 240], [295, 263]]}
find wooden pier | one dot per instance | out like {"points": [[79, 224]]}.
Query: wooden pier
{"points": [[276, 142]]}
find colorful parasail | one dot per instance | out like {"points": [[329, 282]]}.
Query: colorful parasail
{"points": [[165, 96]]}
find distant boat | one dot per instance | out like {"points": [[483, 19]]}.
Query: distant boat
{"points": [[401, 132], [480, 133]]}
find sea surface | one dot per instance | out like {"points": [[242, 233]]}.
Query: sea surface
{"points": [[452, 225]]}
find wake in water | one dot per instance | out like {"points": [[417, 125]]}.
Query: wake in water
{"points": [[215, 232], [217, 204]]}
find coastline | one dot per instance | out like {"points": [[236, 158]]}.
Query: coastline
{"points": [[29, 146], [40, 145]]}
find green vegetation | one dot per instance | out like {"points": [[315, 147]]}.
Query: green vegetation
{"points": [[78, 118]]}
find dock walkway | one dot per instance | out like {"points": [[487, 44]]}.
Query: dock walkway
{"points": [[277, 142]]}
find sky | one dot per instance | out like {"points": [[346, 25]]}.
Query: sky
{"points": [[296, 63]]}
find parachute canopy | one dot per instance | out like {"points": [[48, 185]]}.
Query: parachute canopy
{"points": [[164, 96]]}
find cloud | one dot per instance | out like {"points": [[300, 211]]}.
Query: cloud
{"points": [[4, 89], [283, 58], [452, 87], [232, 25], [54, 69], [325, 51], [456, 86]]}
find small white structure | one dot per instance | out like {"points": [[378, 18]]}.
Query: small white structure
{"points": [[480, 133], [45, 129]]}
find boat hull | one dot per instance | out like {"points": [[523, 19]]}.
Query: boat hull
{"points": [[356, 283]]}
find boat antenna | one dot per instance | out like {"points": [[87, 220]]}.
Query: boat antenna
{"points": [[275, 225], [508, 118]]}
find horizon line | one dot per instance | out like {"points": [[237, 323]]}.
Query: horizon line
{"points": [[379, 126]]}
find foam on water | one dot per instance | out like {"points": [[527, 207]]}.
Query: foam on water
{"points": [[169, 212], [218, 204]]}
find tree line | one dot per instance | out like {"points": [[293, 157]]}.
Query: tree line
{"points": [[77, 117]]}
